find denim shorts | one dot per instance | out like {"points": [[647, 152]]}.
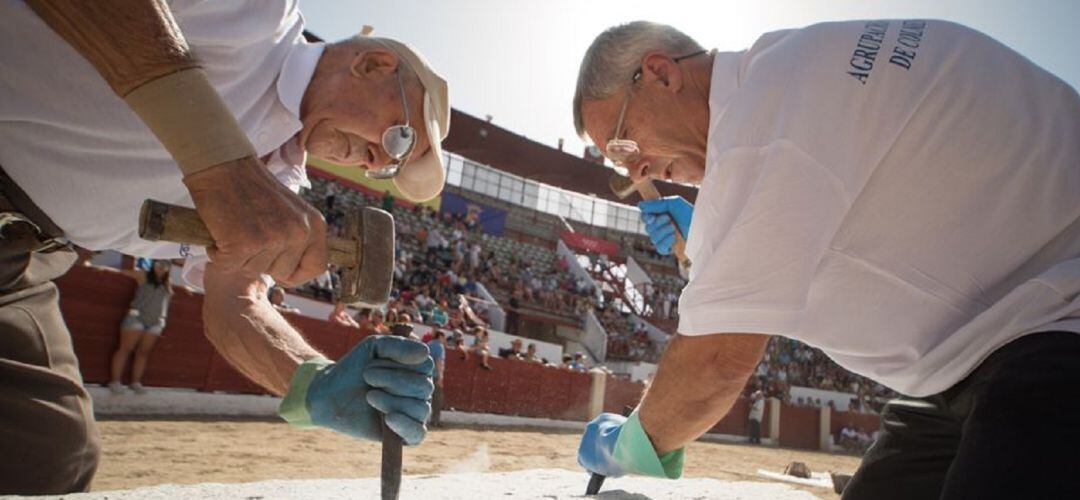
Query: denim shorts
{"points": [[135, 322]]}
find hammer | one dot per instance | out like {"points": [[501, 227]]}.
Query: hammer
{"points": [[623, 187], [365, 253], [365, 256]]}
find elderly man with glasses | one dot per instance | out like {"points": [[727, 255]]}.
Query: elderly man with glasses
{"points": [[902, 194], [213, 105]]}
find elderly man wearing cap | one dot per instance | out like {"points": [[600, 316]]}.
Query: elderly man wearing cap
{"points": [[221, 101]]}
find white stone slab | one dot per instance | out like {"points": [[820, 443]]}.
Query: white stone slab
{"points": [[540, 484]]}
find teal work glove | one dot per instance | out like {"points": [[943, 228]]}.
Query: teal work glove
{"points": [[615, 446], [383, 375], [657, 216]]}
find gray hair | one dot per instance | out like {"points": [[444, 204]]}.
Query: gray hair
{"points": [[616, 54]]}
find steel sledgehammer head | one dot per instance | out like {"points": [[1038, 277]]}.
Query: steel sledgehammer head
{"points": [[368, 283], [365, 254]]}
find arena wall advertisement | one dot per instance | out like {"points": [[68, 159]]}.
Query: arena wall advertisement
{"points": [[590, 243], [492, 220]]}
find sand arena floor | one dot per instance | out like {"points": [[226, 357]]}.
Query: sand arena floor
{"points": [[151, 452]]}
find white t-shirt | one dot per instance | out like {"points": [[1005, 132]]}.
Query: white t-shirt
{"points": [[903, 195], [88, 161], [757, 409]]}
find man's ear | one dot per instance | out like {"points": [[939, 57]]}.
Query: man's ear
{"points": [[657, 69], [373, 62]]}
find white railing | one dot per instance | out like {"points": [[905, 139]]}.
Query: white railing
{"points": [[495, 313], [596, 337]]}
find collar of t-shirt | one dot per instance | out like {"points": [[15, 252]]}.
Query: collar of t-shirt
{"points": [[726, 73]]}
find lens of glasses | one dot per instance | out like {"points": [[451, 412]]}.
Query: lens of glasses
{"points": [[398, 141], [620, 151], [387, 172]]}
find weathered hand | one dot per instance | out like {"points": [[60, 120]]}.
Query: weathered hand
{"points": [[258, 225]]}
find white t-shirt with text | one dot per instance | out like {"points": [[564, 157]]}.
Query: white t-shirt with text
{"points": [[903, 195]]}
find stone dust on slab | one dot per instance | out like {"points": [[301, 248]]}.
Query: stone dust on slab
{"points": [[540, 484]]}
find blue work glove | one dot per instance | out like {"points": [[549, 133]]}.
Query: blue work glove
{"points": [[615, 446], [383, 375], [657, 216]]}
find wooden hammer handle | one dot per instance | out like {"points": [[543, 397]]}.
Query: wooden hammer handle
{"points": [[164, 222], [160, 221], [648, 192]]}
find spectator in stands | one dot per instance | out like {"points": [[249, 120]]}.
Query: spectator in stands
{"points": [[456, 340], [277, 299], [437, 347], [757, 410], [480, 346], [388, 201], [514, 352], [373, 324], [439, 316], [435, 241], [577, 364], [530, 354], [143, 325], [341, 316]]}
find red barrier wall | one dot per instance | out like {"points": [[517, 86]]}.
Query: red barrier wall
{"points": [[799, 427], [620, 393], [515, 388], [737, 421], [95, 300]]}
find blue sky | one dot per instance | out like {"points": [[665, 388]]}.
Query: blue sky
{"points": [[518, 60]]}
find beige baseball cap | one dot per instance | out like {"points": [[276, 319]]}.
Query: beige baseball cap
{"points": [[422, 178]]}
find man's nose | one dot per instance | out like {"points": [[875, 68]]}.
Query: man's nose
{"points": [[376, 157]]}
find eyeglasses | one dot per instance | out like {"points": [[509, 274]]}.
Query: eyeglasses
{"points": [[398, 141], [624, 152]]}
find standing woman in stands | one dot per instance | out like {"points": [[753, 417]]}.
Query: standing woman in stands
{"points": [[143, 324]]}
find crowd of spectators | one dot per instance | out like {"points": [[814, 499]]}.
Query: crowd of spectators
{"points": [[788, 362], [627, 338], [627, 335], [442, 259]]}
